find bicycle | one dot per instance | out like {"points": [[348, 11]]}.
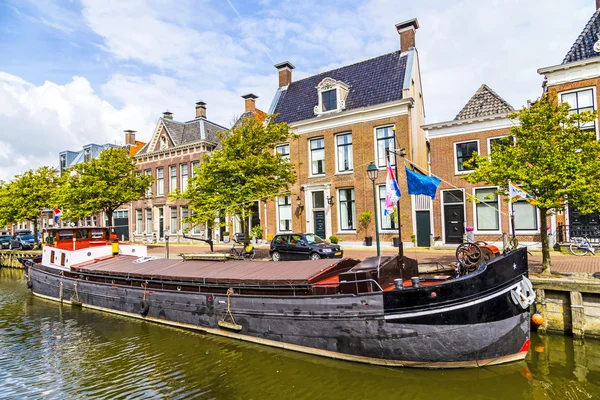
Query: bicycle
{"points": [[246, 252], [581, 246]]}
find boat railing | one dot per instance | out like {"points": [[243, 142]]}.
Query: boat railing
{"points": [[371, 281]]}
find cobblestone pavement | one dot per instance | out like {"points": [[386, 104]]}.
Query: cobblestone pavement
{"points": [[561, 263]]}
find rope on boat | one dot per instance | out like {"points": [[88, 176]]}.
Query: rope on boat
{"points": [[75, 298], [223, 323], [145, 285]]}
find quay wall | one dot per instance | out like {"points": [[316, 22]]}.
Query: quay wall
{"points": [[9, 258]]}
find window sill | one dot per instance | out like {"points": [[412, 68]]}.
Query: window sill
{"points": [[345, 173], [318, 176], [526, 233], [487, 232], [346, 232], [463, 172]]}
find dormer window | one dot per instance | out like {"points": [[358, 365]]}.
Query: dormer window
{"points": [[86, 155], [332, 96]]}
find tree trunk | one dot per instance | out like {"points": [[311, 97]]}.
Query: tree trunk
{"points": [[545, 243], [246, 228], [109, 214], [35, 231]]}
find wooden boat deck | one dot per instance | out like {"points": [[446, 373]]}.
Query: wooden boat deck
{"points": [[234, 271]]}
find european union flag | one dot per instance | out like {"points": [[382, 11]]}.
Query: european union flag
{"points": [[421, 184]]}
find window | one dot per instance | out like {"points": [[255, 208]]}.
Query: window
{"points": [[173, 219], [121, 214], [184, 214], [347, 209], [184, 176], [318, 199], [464, 152], [195, 164], [160, 181], [284, 205], [173, 178], [138, 221], [580, 101], [148, 220], [344, 152], [386, 139], [149, 190], [283, 150], [197, 229], [86, 155], [329, 100], [453, 196], [386, 222], [317, 156], [526, 218], [486, 210], [496, 144]]}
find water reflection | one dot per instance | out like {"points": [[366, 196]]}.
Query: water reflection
{"points": [[50, 351]]}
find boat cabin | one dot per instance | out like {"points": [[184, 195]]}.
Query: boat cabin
{"points": [[75, 238]]}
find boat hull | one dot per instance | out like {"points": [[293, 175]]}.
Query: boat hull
{"points": [[365, 327]]}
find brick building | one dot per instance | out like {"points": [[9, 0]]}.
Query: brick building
{"points": [[347, 118], [479, 127], [576, 80]]}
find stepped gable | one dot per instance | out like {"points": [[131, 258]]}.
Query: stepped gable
{"points": [[483, 103]]}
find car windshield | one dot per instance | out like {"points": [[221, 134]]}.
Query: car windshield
{"points": [[312, 239], [27, 237]]}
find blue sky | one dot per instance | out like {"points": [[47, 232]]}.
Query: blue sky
{"points": [[76, 72]]}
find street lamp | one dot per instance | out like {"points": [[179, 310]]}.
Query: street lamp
{"points": [[372, 172]]}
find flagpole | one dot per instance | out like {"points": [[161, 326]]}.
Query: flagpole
{"points": [[400, 245]]}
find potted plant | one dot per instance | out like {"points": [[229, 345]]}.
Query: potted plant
{"points": [[470, 237], [334, 239], [225, 237], [365, 221], [256, 233]]}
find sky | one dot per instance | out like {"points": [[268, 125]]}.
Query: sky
{"points": [[74, 72]]}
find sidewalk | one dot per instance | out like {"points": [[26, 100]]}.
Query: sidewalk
{"points": [[561, 262]]}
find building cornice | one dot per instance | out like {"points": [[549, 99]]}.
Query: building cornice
{"points": [[455, 122], [173, 149], [560, 67]]}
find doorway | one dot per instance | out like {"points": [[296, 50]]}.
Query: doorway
{"points": [[161, 223], [423, 228], [454, 215]]}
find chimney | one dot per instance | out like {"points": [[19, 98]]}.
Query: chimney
{"points": [[250, 101], [130, 137], [285, 73], [168, 115], [407, 30], [200, 109]]}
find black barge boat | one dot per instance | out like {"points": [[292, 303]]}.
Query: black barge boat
{"points": [[376, 311]]}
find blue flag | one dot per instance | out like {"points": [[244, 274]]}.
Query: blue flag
{"points": [[421, 184]]}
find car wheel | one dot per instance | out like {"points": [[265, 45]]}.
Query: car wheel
{"points": [[315, 256], [10, 246], [276, 256]]}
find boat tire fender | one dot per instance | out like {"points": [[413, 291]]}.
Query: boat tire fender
{"points": [[29, 284], [523, 295], [144, 307]]}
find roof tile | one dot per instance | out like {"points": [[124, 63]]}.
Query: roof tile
{"points": [[484, 102], [583, 48]]}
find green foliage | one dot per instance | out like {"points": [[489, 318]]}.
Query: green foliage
{"points": [[549, 157], [257, 231], [244, 170], [26, 195], [225, 233], [365, 219], [334, 239], [413, 238], [102, 184]]}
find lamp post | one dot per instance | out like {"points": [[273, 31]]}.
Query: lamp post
{"points": [[372, 172]]}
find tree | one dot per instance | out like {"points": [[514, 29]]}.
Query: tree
{"points": [[101, 185], [244, 170], [26, 195], [548, 156]]}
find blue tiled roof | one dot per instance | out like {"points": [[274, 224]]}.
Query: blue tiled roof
{"points": [[583, 48], [375, 81]]}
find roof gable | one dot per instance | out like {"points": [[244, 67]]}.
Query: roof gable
{"points": [[375, 81], [583, 48], [484, 102]]}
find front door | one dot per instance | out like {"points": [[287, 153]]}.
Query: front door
{"points": [[580, 224], [454, 222], [319, 225], [423, 228], [161, 223]]}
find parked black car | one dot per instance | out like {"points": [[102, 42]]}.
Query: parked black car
{"points": [[23, 242], [5, 241], [302, 246]]}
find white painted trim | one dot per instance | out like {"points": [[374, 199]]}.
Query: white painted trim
{"points": [[456, 171], [525, 232], [486, 232], [443, 214], [410, 60], [375, 142], [594, 99], [310, 173], [489, 142], [462, 127], [575, 64], [364, 114], [339, 214], [335, 145], [380, 213], [452, 308], [277, 225], [309, 208]]}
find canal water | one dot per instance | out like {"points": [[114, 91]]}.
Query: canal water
{"points": [[48, 351]]}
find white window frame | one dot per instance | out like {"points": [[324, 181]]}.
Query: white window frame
{"points": [[283, 145], [380, 211], [489, 142], [279, 230], [477, 231], [594, 98], [530, 231], [139, 221], [335, 139], [456, 171], [171, 225], [184, 225], [149, 190], [464, 204], [393, 158], [339, 207], [341, 91], [149, 221], [194, 165], [160, 189], [310, 154], [184, 179], [171, 180]]}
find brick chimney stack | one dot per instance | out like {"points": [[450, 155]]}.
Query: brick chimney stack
{"points": [[130, 137], [200, 109], [250, 101], [168, 115], [285, 73], [407, 30]]}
